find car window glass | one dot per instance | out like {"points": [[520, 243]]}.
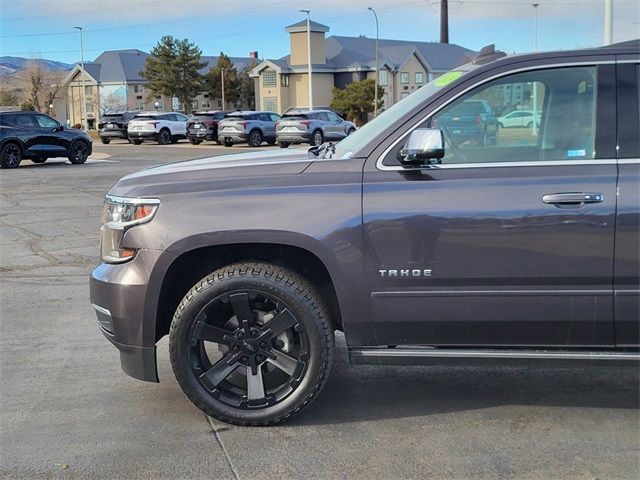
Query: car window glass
{"points": [[333, 117], [46, 122], [265, 117], [218, 116], [180, 118], [26, 121], [323, 116], [274, 117], [480, 126]]}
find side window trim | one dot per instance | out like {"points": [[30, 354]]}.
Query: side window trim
{"points": [[596, 161]]}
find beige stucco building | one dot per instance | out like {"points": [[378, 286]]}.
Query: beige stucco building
{"points": [[404, 66]]}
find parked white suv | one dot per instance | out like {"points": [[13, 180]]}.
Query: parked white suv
{"points": [[163, 127]]}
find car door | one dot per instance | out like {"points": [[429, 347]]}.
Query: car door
{"points": [[180, 124], [52, 140], [627, 251], [268, 126], [502, 244], [338, 131]]}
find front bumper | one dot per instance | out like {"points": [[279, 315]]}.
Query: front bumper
{"points": [[125, 299]]}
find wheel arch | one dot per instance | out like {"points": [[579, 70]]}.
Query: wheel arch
{"points": [[15, 141], [192, 265]]}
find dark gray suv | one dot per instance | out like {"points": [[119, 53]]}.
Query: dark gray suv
{"points": [[248, 127], [422, 246]]}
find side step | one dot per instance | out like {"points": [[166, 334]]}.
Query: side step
{"points": [[466, 356]]}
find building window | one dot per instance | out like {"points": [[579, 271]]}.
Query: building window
{"points": [[404, 78], [194, 105], [383, 78], [138, 89], [284, 80], [206, 104], [140, 105], [419, 78], [270, 104], [88, 89], [238, 103], [269, 78], [219, 103]]}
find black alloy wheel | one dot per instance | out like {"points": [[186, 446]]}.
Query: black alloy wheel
{"points": [[78, 152], [251, 345], [228, 143], [164, 137], [284, 144], [255, 138], [317, 138], [11, 156]]}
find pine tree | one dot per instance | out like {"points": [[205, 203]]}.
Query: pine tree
{"points": [[172, 70], [356, 100], [231, 80]]}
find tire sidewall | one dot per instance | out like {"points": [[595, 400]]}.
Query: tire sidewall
{"points": [[200, 396]]}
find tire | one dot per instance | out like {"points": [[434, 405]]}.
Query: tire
{"points": [[78, 152], [39, 160], [193, 141], [284, 144], [317, 138], [10, 155], [136, 142], [105, 141], [228, 143], [294, 355], [164, 137], [350, 131], [255, 138]]}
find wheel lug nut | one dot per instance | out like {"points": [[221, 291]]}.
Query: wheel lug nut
{"points": [[254, 334], [241, 335], [263, 345], [245, 360], [259, 358], [278, 343]]}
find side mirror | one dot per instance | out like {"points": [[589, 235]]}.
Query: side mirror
{"points": [[424, 144], [59, 128]]}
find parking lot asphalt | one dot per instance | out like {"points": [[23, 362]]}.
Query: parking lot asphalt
{"points": [[68, 411]]}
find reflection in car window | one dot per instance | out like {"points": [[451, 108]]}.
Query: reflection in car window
{"points": [[26, 121], [46, 122], [495, 122]]}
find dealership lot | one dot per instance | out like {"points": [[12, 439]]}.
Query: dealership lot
{"points": [[68, 411]]}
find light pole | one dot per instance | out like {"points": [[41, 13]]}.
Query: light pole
{"points": [[375, 106], [84, 96], [608, 20], [156, 104], [308, 12], [535, 87], [222, 75]]}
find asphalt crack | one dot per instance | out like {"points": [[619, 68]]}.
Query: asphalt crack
{"points": [[216, 433]]}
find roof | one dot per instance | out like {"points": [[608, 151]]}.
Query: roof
{"points": [[302, 27], [358, 53], [115, 66]]}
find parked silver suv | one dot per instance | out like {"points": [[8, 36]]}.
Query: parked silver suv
{"points": [[248, 127], [312, 127]]}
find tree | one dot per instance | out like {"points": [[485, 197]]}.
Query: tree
{"points": [[40, 87], [231, 81], [356, 100], [173, 68], [247, 86], [7, 98]]}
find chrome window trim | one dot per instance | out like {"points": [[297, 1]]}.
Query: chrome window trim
{"points": [[380, 165], [632, 161]]}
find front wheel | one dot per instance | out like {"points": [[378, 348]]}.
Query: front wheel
{"points": [[164, 137], [283, 144], [251, 344], [79, 152], [255, 138], [105, 141]]}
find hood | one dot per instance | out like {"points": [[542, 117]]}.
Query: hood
{"points": [[213, 173]]}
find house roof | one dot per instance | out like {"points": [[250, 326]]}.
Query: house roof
{"points": [[125, 65], [358, 53], [301, 26]]}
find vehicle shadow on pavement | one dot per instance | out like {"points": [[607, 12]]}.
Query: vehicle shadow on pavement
{"points": [[364, 393]]}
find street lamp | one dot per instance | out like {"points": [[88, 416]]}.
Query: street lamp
{"points": [[375, 106], [156, 104], [84, 96], [308, 12]]}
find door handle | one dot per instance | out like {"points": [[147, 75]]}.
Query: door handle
{"points": [[573, 198]]}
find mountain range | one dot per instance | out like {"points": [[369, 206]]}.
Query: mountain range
{"points": [[10, 66]]}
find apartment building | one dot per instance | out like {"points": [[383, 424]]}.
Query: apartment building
{"points": [[404, 66], [112, 82]]}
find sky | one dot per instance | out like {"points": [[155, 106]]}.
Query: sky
{"points": [[45, 28]]}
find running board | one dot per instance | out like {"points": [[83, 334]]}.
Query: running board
{"points": [[466, 356]]}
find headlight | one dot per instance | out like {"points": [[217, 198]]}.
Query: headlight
{"points": [[118, 215]]}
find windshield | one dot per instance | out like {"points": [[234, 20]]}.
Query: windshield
{"points": [[348, 147]]}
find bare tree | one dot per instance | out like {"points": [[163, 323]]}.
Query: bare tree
{"points": [[41, 88]]}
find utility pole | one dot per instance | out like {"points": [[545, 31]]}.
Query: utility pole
{"points": [[308, 12], [83, 110], [222, 74], [608, 22], [375, 105], [444, 21]]}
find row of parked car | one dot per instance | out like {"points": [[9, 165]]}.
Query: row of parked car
{"points": [[227, 127]]}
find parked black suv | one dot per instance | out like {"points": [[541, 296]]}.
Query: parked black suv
{"points": [[37, 137], [114, 125], [204, 126], [422, 246]]}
